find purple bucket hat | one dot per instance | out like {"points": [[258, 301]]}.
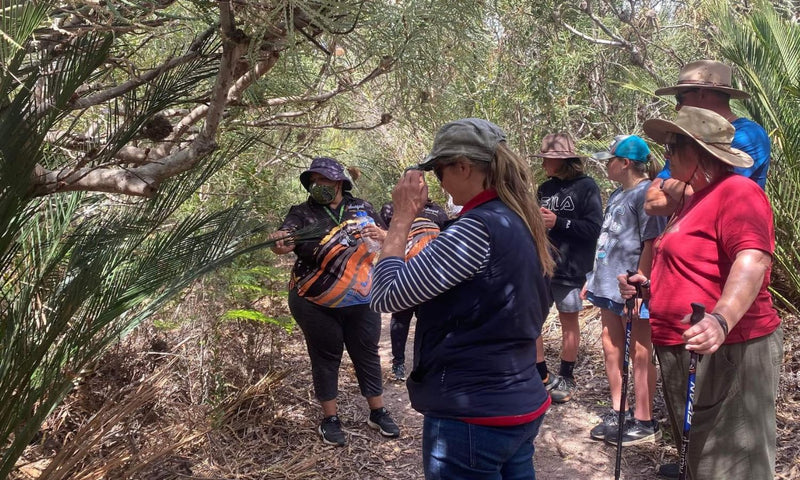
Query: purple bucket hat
{"points": [[328, 168]]}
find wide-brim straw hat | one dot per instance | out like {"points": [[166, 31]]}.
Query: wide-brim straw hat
{"points": [[706, 74], [558, 145], [707, 129]]}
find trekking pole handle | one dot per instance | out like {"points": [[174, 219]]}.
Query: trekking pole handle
{"points": [[698, 312], [631, 302]]}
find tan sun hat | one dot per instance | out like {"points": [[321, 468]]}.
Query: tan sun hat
{"points": [[708, 129], [558, 145], [706, 74]]}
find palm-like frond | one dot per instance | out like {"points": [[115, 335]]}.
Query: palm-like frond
{"points": [[766, 50], [78, 271], [84, 274], [17, 24]]}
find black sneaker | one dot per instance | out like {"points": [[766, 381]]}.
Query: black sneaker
{"points": [[550, 381], [608, 423], [636, 432], [331, 431], [399, 372], [563, 389], [669, 470], [379, 419]]}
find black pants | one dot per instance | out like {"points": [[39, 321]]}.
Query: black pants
{"points": [[327, 331], [398, 329]]}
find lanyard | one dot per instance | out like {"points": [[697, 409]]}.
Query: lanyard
{"points": [[329, 211]]}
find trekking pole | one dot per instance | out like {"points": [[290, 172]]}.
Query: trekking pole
{"points": [[698, 312], [630, 304]]}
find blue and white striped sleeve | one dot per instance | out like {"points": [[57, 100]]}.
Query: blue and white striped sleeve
{"points": [[459, 253]]}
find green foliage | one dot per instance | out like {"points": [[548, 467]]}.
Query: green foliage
{"points": [[254, 287], [765, 47], [285, 323], [79, 271], [245, 315], [166, 325]]}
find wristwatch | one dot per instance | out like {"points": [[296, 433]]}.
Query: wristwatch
{"points": [[646, 284]]}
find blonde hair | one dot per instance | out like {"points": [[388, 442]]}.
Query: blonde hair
{"points": [[510, 176]]}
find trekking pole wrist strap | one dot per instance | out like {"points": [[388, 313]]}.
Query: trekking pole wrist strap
{"points": [[722, 322]]}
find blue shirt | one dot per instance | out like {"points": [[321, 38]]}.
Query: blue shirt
{"points": [[752, 139]]}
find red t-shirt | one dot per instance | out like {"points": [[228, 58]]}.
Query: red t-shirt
{"points": [[694, 255]]}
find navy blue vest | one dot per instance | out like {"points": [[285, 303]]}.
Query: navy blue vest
{"points": [[475, 345]]}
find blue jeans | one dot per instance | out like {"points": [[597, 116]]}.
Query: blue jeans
{"points": [[452, 449]]}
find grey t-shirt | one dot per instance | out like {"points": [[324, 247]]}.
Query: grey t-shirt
{"points": [[625, 229]]}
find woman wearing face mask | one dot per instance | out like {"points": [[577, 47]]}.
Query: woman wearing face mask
{"points": [[329, 293]]}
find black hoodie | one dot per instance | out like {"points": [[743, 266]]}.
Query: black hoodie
{"points": [[579, 217]]}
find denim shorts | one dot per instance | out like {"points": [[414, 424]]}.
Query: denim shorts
{"points": [[567, 299], [616, 307]]}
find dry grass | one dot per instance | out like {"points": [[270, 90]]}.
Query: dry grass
{"points": [[232, 401]]}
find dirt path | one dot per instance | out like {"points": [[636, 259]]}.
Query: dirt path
{"points": [[563, 447], [274, 434], [269, 429]]}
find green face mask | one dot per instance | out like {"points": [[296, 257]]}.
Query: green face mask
{"points": [[322, 194]]}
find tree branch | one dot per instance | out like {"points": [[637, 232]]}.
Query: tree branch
{"points": [[385, 118], [383, 67], [234, 94], [589, 38], [111, 93], [147, 168], [145, 179]]}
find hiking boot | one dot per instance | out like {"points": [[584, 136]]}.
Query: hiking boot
{"points": [[379, 419], [331, 431], [636, 432], [669, 470], [399, 372], [550, 381], [609, 423], [563, 389]]}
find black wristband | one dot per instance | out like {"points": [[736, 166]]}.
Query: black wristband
{"points": [[722, 322], [646, 284]]}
